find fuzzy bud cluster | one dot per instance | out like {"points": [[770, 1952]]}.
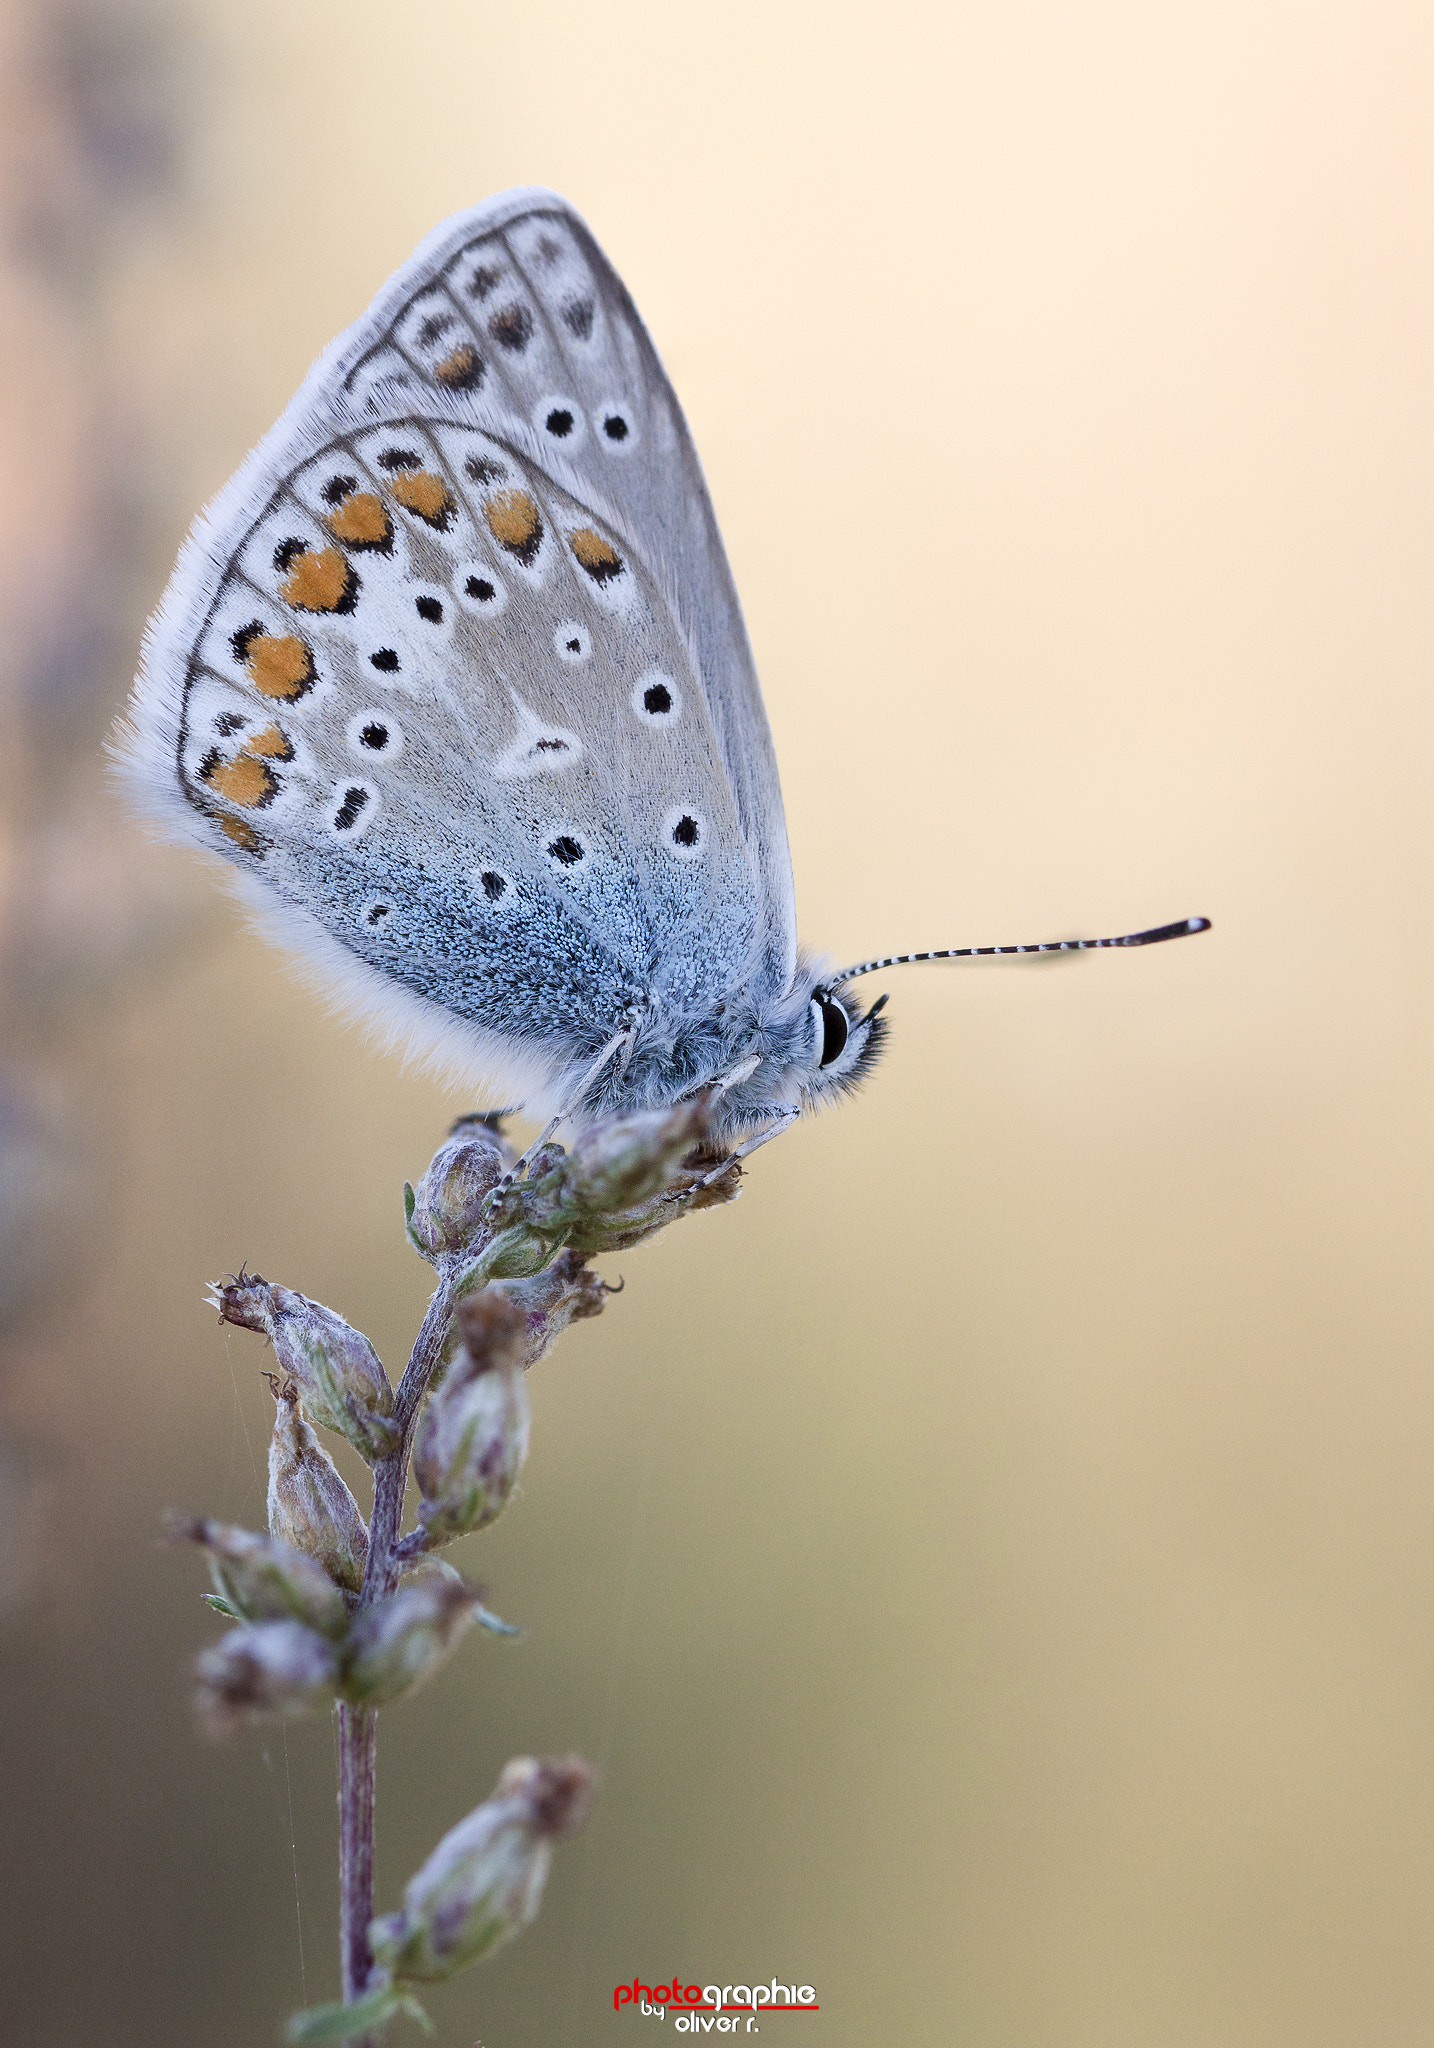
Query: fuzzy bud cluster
{"points": [[484, 1881], [335, 1368], [320, 1619], [474, 1436], [310, 1505], [402, 1639], [616, 1186], [267, 1667], [445, 1211], [566, 1291], [260, 1578]]}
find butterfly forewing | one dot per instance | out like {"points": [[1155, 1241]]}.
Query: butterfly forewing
{"points": [[514, 314]]}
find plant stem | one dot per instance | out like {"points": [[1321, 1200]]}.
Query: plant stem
{"points": [[358, 1726], [358, 1751]]}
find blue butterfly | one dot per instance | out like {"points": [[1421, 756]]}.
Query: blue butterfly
{"points": [[454, 672]]}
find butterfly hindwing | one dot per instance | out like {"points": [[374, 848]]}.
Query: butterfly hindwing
{"points": [[441, 708], [454, 672]]}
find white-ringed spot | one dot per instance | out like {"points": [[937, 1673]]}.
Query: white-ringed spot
{"points": [[684, 832], [656, 699], [352, 809], [374, 735], [614, 427], [566, 851], [572, 641], [491, 886], [558, 418], [480, 590]]}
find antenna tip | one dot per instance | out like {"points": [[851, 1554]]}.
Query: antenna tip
{"points": [[1159, 933]]}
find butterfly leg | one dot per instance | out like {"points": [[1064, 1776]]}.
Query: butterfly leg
{"points": [[620, 1041], [782, 1120]]}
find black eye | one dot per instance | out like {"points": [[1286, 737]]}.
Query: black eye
{"points": [[835, 1026]]}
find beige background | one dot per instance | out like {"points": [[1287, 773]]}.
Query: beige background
{"points": [[991, 1565]]}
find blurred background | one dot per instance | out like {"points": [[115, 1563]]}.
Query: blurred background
{"points": [[993, 1565]]}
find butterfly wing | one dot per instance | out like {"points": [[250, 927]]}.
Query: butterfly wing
{"points": [[515, 306], [455, 672]]}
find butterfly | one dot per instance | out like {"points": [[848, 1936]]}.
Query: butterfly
{"points": [[454, 672]]}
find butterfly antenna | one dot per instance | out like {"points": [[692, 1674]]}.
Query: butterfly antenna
{"points": [[1154, 937]]}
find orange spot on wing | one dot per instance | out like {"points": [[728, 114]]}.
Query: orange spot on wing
{"points": [[240, 831], [319, 580], [360, 522], [245, 780], [280, 665], [420, 491], [462, 369], [271, 742], [599, 557], [515, 522]]}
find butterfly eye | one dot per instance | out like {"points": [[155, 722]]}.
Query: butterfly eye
{"points": [[834, 1024]]}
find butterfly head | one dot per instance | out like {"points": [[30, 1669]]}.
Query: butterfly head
{"points": [[843, 1042]]}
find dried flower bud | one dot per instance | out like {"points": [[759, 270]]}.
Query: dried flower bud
{"points": [[337, 1371], [403, 1638], [484, 1881], [310, 1506], [564, 1292], [263, 1579], [445, 1210], [474, 1435], [269, 1667], [617, 1185], [626, 1159]]}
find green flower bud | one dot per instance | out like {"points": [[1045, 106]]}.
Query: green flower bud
{"points": [[513, 1253], [403, 1638], [269, 1667], [484, 1882], [260, 1578], [474, 1435], [335, 1368], [310, 1506], [564, 1292], [445, 1210]]}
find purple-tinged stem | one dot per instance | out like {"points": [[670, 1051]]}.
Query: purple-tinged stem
{"points": [[358, 1751], [358, 1726]]}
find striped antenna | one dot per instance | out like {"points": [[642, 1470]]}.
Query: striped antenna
{"points": [[1154, 937]]}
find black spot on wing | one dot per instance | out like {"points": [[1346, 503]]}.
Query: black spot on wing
{"points": [[512, 328]]}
